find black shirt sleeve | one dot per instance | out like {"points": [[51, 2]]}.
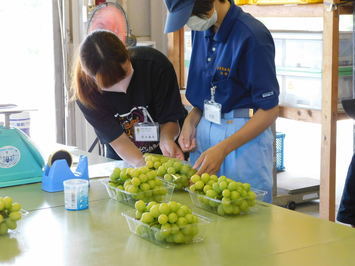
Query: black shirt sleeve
{"points": [[167, 100], [107, 128]]}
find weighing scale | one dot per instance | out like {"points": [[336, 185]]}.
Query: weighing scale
{"points": [[20, 161]]}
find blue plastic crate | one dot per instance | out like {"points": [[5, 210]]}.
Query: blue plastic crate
{"points": [[280, 164]]}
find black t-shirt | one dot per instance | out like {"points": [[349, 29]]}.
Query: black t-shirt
{"points": [[153, 86]]}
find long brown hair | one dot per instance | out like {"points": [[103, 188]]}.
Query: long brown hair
{"points": [[98, 65]]}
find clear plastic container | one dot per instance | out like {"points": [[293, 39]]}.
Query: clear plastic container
{"points": [[76, 194], [154, 234], [216, 206], [19, 223], [147, 196]]}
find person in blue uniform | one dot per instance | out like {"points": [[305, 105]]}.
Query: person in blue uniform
{"points": [[346, 211], [233, 88]]}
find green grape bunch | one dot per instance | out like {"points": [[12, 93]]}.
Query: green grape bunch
{"points": [[171, 169], [222, 195], [173, 222], [142, 184], [9, 214]]}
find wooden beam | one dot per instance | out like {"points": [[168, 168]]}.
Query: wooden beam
{"points": [[329, 113], [176, 54], [305, 115]]}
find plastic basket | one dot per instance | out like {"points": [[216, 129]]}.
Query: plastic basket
{"points": [[153, 234], [280, 137], [147, 196], [216, 206]]}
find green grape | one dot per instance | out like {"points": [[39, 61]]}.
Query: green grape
{"points": [[189, 218], [154, 211], [185, 169], [2, 204], [205, 178], [211, 182], [236, 210], [141, 230], [138, 214], [132, 189], [226, 201], [228, 209], [226, 193], [152, 175], [177, 166], [211, 194], [171, 170], [159, 236], [173, 206], [174, 229], [3, 228], [179, 238], [163, 219], [150, 204], [181, 212], [182, 221], [220, 210], [172, 217], [244, 194], [8, 202], [139, 205], [251, 203], [168, 177], [169, 163], [144, 187], [161, 171], [158, 182], [157, 164], [10, 224], [147, 218], [232, 186], [195, 178], [164, 208], [222, 178], [246, 186], [165, 230], [216, 188], [193, 188], [251, 195], [143, 178], [151, 184], [214, 178], [222, 185], [186, 209], [136, 181], [149, 164], [244, 207], [199, 185], [235, 195]]}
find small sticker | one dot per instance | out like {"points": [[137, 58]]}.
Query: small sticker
{"points": [[267, 94], [9, 156]]}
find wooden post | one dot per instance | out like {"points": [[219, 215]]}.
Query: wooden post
{"points": [[176, 54], [329, 111]]}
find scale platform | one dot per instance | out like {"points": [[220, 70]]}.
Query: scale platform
{"points": [[294, 189]]}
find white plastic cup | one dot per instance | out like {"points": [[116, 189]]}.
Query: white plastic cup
{"points": [[76, 194]]}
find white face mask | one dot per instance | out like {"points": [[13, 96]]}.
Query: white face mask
{"points": [[122, 85], [199, 24]]}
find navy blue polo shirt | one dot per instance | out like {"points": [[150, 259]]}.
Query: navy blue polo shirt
{"points": [[238, 59]]}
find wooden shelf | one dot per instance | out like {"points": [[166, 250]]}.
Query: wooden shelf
{"points": [[309, 10]]}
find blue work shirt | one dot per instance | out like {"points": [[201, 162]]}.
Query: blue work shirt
{"points": [[238, 59]]}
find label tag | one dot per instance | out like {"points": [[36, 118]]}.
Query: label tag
{"points": [[212, 112], [146, 132]]}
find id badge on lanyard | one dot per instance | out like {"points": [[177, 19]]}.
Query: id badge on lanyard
{"points": [[212, 110], [146, 131]]}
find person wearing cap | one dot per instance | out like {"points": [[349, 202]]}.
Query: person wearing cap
{"points": [[130, 97], [233, 88]]}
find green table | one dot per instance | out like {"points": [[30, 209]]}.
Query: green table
{"points": [[50, 235]]}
